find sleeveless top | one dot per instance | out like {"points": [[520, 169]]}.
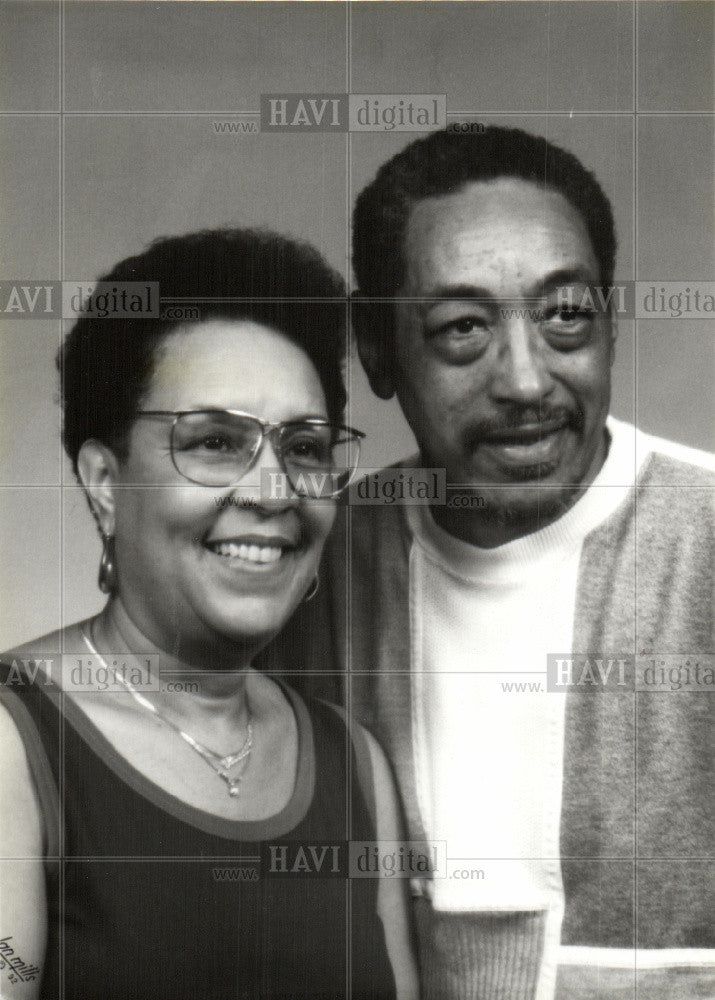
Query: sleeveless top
{"points": [[149, 897]]}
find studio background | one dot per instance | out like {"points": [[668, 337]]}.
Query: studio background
{"points": [[108, 139]]}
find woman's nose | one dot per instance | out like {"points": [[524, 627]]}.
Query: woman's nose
{"points": [[265, 484]]}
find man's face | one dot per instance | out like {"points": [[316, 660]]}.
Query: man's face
{"points": [[511, 402]]}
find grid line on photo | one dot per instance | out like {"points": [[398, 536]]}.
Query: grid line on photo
{"points": [[62, 874], [346, 684], [486, 112], [635, 469]]}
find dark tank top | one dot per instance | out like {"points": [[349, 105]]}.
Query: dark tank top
{"points": [[149, 897]]}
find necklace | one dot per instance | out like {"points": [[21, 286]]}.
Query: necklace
{"points": [[220, 765]]}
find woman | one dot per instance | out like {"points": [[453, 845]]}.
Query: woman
{"points": [[181, 818]]}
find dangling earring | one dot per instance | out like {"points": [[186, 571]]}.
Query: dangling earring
{"points": [[315, 586], [107, 579]]}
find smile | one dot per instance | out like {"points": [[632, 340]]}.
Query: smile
{"points": [[527, 434], [252, 549], [529, 445], [252, 553]]}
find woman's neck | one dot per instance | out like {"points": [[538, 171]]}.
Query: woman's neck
{"points": [[212, 691]]}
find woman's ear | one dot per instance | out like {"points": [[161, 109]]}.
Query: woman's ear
{"points": [[372, 322], [98, 471]]}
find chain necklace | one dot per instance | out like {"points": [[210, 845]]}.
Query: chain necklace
{"points": [[220, 765]]}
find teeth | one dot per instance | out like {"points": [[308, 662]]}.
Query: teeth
{"points": [[251, 553]]}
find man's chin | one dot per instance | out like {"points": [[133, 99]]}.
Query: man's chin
{"points": [[532, 506]]}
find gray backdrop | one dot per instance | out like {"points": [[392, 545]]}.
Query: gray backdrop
{"points": [[108, 140]]}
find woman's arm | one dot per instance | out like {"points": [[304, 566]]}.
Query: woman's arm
{"points": [[393, 893], [23, 905]]}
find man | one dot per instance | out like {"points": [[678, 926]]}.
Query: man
{"points": [[572, 801]]}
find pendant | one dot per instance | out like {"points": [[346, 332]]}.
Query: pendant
{"points": [[233, 783]]}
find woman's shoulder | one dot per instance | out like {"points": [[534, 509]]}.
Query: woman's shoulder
{"points": [[52, 646], [372, 767]]}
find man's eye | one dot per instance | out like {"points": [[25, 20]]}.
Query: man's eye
{"points": [[463, 326], [568, 328], [569, 316]]}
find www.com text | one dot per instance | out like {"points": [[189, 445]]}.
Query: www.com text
{"points": [[234, 501], [468, 873], [535, 315], [235, 128], [179, 314], [235, 874], [467, 501]]}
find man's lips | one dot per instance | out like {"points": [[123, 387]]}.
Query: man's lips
{"points": [[525, 434], [535, 447]]}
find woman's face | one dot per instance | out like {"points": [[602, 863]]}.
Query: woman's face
{"points": [[194, 567]]}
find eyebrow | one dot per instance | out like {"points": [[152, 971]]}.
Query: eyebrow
{"points": [[231, 409], [462, 292], [581, 274]]}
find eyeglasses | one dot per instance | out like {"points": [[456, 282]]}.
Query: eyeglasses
{"points": [[218, 447]]}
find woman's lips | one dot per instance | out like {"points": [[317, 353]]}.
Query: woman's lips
{"points": [[251, 549], [253, 553]]}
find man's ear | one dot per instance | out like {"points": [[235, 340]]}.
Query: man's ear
{"points": [[98, 471], [372, 322]]}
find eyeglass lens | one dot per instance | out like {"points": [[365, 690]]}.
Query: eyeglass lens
{"points": [[216, 448]]}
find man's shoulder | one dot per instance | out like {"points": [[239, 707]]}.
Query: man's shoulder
{"points": [[669, 463], [371, 519], [674, 488], [376, 500]]}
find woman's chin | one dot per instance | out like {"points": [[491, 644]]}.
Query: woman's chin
{"points": [[252, 625]]}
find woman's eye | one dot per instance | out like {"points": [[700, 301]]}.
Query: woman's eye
{"points": [[307, 450], [215, 443]]}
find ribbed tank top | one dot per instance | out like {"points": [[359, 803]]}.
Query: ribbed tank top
{"points": [[140, 904]]}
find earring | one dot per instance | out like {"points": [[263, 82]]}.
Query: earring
{"points": [[107, 579], [315, 586]]}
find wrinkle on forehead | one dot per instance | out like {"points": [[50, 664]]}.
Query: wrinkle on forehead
{"points": [[504, 234]]}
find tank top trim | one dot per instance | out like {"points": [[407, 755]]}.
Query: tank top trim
{"points": [[363, 758], [40, 771], [243, 830], [277, 825]]}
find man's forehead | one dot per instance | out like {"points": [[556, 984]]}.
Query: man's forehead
{"points": [[495, 232]]}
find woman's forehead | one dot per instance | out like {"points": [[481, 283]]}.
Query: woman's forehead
{"points": [[233, 364]]}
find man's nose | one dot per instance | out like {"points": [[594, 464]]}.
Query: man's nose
{"points": [[522, 374]]}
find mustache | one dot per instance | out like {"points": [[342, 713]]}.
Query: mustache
{"points": [[518, 418]]}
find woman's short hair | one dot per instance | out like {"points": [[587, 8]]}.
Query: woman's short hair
{"points": [[106, 363]]}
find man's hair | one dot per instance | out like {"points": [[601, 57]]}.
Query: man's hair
{"points": [[106, 364], [441, 164]]}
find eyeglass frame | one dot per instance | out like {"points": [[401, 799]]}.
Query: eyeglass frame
{"points": [[268, 429]]}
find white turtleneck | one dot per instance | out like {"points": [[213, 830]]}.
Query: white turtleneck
{"points": [[488, 738]]}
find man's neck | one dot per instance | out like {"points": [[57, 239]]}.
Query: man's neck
{"points": [[488, 531]]}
